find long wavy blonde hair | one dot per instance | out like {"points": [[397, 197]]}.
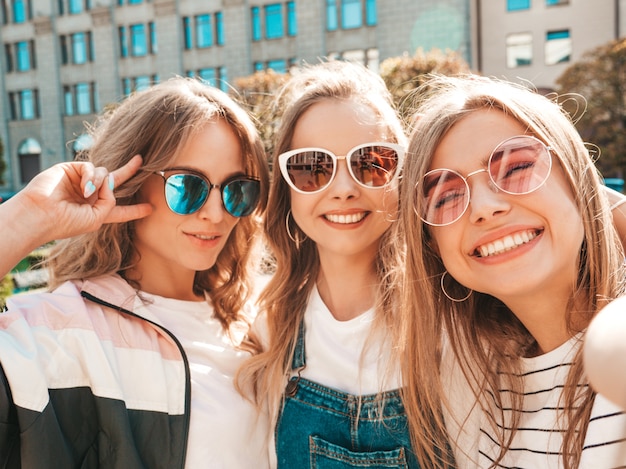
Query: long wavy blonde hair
{"points": [[485, 335], [297, 264], [156, 123]]}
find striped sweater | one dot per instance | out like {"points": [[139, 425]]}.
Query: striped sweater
{"points": [[85, 382], [537, 443]]}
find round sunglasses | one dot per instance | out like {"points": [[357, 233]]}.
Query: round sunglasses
{"points": [[186, 193], [518, 165], [311, 170]]}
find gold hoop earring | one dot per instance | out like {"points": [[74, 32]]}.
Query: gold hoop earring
{"points": [[296, 240], [455, 300]]}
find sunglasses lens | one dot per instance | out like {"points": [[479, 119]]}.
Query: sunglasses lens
{"points": [[241, 196], [310, 171], [443, 197], [374, 166], [520, 165], [185, 193]]}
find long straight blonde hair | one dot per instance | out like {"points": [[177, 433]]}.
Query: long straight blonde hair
{"points": [[484, 334], [156, 123], [297, 264]]}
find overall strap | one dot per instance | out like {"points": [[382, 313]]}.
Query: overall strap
{"points": [[299, 355]]}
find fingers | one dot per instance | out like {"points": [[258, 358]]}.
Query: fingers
{"points": [[124, 213], [123, 174]]}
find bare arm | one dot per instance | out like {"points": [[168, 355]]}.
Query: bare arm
{"points": [[63, 201]]}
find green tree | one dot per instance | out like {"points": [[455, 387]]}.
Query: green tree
{"points": [[256, 93], [404, 74], [593, 91]]}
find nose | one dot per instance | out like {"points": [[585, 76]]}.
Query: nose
{"points": [[485, 199], [343, 186], [213, 209]]}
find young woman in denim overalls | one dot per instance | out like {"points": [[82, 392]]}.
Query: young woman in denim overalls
{"points": [[329, 373]]}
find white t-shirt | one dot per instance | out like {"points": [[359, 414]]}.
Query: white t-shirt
{"points": [[225, 431], [538, 442], [334, 348]]}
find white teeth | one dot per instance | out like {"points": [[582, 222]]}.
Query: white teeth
{"points": [[203, 237], [345, 219], [507, 243]]}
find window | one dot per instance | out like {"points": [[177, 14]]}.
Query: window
{"points": [[204, 35], [556, 2], [277, 18], [292, 23], [256, 24], [219, 28], [20, 57], [24, 104], [22, 52], [129, 2], [77, 48], [351, 14], [123, 41], [273, 21], [29, 153], [519, 50], [80, 99], [138, 83], [331, 15], [75, 6], [20, 13], [515, 5], [558, 47], [371, 15], [153, 38], [207, 30], [279, 66], [213, 76], [138, 41]]}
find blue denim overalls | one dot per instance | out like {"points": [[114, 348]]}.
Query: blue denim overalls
{"points": [[322, 428]]}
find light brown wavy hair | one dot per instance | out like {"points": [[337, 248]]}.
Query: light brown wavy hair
{"points": [[297, 264], [485, 336], [156, 123]]}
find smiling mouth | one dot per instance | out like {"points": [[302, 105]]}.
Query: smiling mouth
{"points": [[506, 244], [345, 219], [204, 237]]}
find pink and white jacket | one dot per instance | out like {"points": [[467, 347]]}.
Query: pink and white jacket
{"points": [[85, 382]]}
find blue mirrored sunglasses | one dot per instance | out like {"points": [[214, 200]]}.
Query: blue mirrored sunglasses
{"points": [[186, 193]]}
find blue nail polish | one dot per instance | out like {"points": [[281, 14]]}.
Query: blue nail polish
{"points": [[90, 188], [111, 182]]}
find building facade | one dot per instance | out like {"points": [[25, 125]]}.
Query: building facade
{"points": [[536, 40], [64, 61]]}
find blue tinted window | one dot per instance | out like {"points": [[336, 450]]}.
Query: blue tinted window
{"points": [[204, 34], [19, 11], [223, 79], [279, 66], [256, 24], [351, 14], [371, 15], [75, 6], [514, 5], [79, 48], [273, 21], [153, 38], [331, 15], [188, 33], [258, 66], [292, 23], [142, 82], [208, 76], [138, 43], [83, 98], [22, 51], [27, 104], [219, 28], [69, 101], [123, 41]]}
